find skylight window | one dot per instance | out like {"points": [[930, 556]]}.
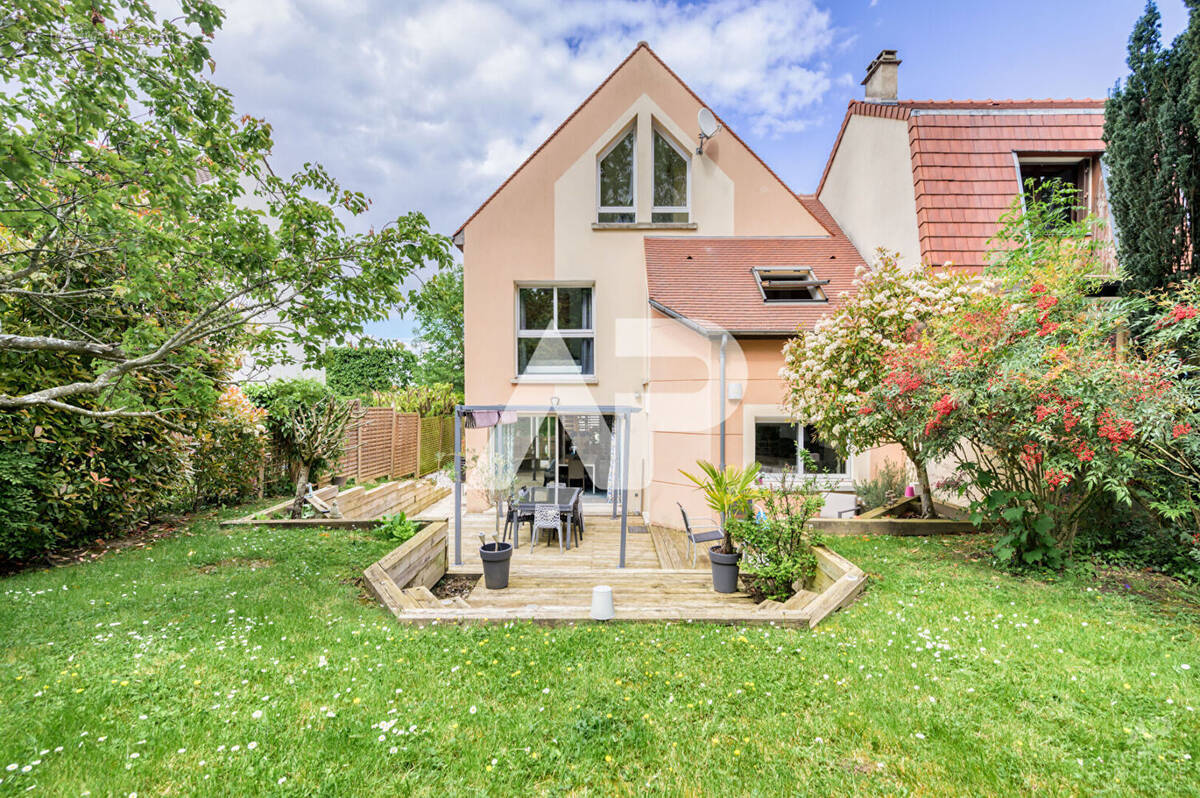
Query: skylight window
{"points": [[790, 284]]}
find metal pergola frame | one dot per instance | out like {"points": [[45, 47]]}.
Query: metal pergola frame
{"points": [[622, 412]]}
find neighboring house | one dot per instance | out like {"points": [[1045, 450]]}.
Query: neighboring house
{"points": [[625, 265], [578, 293], [929, 178]]}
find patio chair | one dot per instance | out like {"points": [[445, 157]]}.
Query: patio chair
{"points": [[546, 516], [514, 517], [695, 536], [577, 517]]}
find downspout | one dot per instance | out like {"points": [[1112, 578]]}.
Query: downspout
{"points": [[721, 400]]}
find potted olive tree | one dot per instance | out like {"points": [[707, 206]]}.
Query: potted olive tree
{"points": [[498, 477], [729, 493]]}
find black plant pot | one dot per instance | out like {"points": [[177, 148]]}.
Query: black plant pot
{"points": [[724, 570], [496, 557]]}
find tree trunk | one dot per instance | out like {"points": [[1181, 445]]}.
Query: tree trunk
{"points": [[301, 489], [926, 493]]}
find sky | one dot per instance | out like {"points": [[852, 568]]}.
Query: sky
{"points": [[430, 104]]}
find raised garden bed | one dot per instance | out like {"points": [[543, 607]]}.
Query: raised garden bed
{"points": [[403, 577], [361, 508], [901, 518]]}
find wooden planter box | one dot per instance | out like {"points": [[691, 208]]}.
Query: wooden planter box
{"points": [[417, 563], [892, 526], [361, 508]]}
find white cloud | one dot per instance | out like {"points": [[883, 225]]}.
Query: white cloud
{"points": [[430, 105]]}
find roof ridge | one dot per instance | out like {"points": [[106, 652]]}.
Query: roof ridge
{"points": [[554, 133], [640, 45]]}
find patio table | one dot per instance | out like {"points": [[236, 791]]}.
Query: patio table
{"points": [[564, 498]]}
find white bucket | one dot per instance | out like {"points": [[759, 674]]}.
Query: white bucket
{"points": [[602, 603]]}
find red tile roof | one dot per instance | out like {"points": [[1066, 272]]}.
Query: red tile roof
{"points": [[709, 280], [964, 173]]}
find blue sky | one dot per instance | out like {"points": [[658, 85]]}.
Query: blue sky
{"points": [[429, 104]]}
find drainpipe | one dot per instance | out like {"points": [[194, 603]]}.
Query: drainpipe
{"points": [[721, 401]]}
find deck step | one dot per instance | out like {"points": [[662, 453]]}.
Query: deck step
{"points": [[418, 598], [770, 604], [800, 600]]}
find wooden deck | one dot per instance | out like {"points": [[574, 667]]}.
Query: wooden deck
{"points": [[600, 547], [552, 586]]}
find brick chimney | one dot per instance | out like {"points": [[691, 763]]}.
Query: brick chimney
{"points": [[882, 77]]}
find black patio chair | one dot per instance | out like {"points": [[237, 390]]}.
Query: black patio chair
{"points": [[514, 517], [695, 536], [577, 516]]}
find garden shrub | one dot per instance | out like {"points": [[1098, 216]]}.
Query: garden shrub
{"points": [[355, 370], [776, 540], [1133, 535], [1026, 388], [228, 451], [280, 397], [397, 528], [69, 480], [308, 425], [837, 374]]}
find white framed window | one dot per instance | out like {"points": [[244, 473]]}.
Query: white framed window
{"points": [[556, 330], [672, 181], [616, 181], [779, 443]]}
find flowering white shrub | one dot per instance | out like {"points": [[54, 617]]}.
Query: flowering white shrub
{"points": [[832, 370]]}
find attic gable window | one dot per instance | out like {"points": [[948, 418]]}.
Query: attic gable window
{"points": [[672, 181], [616, 180], [790, 284]]}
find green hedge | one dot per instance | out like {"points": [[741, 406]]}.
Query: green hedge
{"points": [[437, 399], [69, 480], [354, 370]]}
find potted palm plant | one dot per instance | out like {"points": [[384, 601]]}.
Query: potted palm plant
{"points": [[728, 493]]}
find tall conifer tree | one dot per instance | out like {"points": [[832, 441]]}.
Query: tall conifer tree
{"points": [[1153, 154]]}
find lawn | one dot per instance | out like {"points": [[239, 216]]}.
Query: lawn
{"points": [[248, 661]]}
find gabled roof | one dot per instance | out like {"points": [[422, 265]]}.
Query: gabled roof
{"points": [[710, 282], [964, 172], [640, 46]]}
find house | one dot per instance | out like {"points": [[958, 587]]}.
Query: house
{"points": [[928, 179], [634, 269], [625, 268]]}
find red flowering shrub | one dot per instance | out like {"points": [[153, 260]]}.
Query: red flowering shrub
{"points": [[1029, 392]]}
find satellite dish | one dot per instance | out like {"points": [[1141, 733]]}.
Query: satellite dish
{"points": [[709, 127]]}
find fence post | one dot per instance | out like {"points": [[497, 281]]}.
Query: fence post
{"points": [[392, 448], [417, 468], [358, 455]]}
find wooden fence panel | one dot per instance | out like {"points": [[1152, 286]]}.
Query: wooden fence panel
{"points": [[374, 456], [405, 444], [383, 443]]}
